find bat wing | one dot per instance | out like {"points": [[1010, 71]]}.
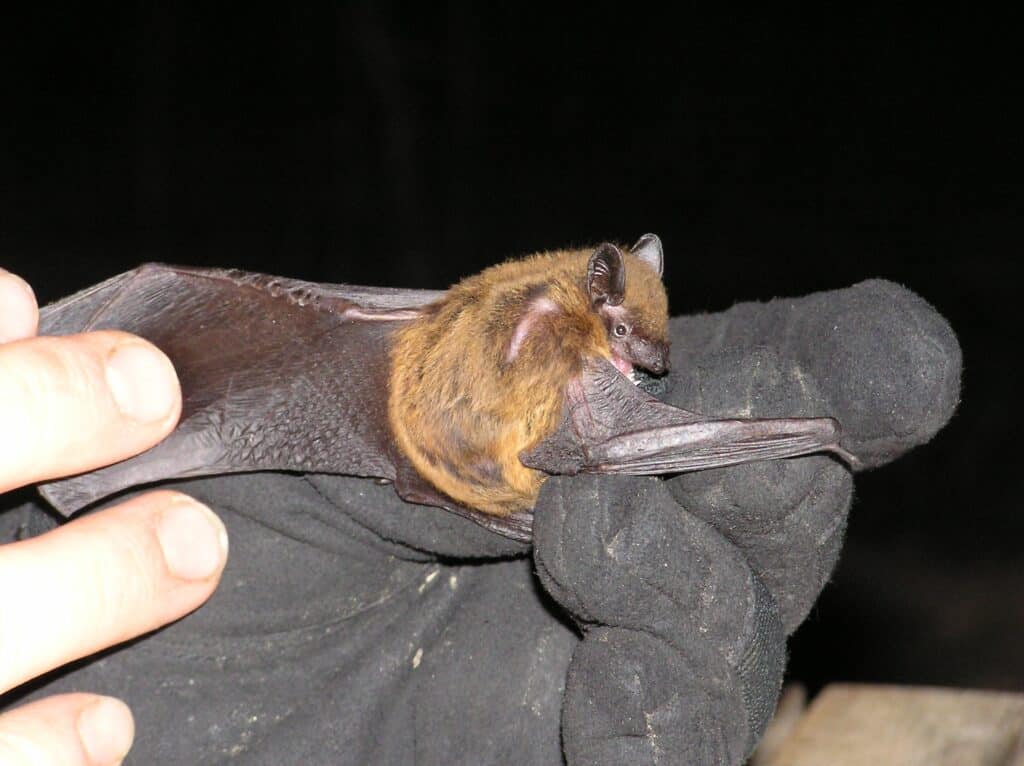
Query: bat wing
{"points": [[611, 426], [276, 374]]}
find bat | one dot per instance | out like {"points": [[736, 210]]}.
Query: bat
{"points": [[465, 399]]}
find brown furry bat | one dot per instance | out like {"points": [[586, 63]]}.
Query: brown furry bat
{"points": [[465, 399], [480, 377]]}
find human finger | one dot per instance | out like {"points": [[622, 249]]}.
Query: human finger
{"points": [[19, 313], [67, 730], [887, 363], [103, 579], [75, 403]]}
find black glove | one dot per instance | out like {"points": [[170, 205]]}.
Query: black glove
{"points": [[686, 587], [350, 627]]}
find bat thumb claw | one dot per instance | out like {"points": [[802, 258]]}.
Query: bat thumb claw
{"points": [[853, 462]]}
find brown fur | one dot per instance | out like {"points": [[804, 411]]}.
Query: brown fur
{"points": [[462, 411]]}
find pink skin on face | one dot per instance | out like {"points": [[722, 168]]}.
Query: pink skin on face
{"points": [[622, 365]]}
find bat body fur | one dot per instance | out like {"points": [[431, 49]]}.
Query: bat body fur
{"points": [[481, 375]]}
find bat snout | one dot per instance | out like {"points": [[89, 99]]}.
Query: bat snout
{"points": [[652, 356], [657, 368]]}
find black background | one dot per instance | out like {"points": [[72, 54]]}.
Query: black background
{"points": [[410, 146]]}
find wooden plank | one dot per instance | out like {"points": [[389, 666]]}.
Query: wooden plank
{"points": [[854, 725], [791, 708]]}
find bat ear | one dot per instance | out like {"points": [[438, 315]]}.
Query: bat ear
{"points": [[648, 249], [606, 276]]}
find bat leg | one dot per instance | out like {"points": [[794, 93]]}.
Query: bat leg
{"points": [[610, 426], [413, 488]]}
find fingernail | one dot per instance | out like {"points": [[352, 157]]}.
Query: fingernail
{"points": [[194, 540], [18, 315], [142, 381], [107, 730]]}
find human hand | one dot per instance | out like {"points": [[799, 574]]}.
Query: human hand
{"points": [[68, 405]]}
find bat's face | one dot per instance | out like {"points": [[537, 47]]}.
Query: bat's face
{"points": [[633, 342], [628, 295]]}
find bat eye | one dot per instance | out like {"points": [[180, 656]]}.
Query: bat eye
{"points": [[621, 330]]}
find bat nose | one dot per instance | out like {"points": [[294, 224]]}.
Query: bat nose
{"points": [[661, 363], [658, 364]]}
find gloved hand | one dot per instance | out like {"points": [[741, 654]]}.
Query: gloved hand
{"points": [[686, 588], [350, 627]]}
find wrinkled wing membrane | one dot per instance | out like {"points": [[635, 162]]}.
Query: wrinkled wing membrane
{"points": [[276, 374]]}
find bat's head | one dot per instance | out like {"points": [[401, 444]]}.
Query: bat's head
{"points": [[627, 293]]}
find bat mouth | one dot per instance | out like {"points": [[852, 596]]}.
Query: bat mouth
{"points": [[625, 367]]}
